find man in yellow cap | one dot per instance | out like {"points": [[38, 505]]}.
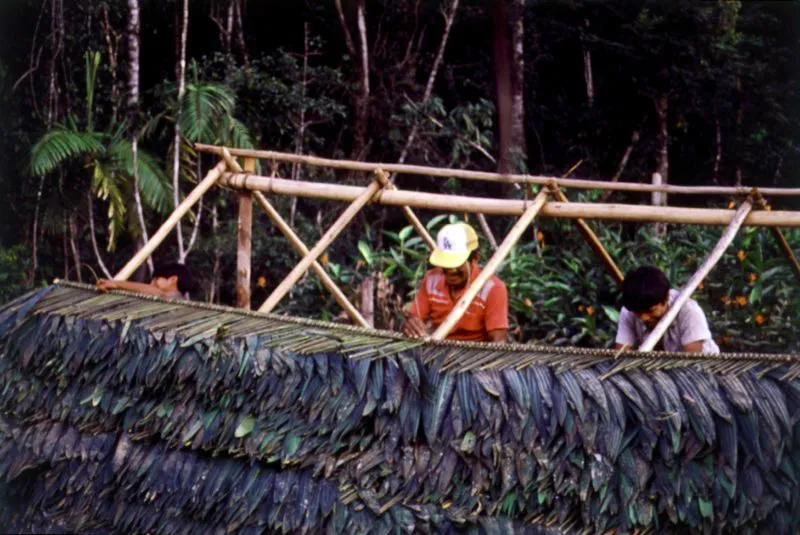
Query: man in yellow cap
{"points": [[456, 259]]}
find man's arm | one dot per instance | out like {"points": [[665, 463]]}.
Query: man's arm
{"points": [[694, 347], [498, 336], [416, 324], [149, 289], [626, 330]]}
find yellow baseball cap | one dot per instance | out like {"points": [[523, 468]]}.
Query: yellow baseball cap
{"points": [[454, 243]]}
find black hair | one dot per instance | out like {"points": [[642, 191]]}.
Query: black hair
{"points": [[643, 288], [184, 274], [473, 255]]}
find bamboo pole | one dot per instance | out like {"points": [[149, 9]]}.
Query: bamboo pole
{"points": [[708, 264], [574, 210], [244, 237], [494, 263], [410, 215], [780, 238], [493, 177], [283, 288], [175, 217], [594, 242], [301, 248]]}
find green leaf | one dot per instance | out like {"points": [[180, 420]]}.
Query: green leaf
{"points": [[245, 427], [612, 313], [755, 293], [706, 508], [366, 252]]}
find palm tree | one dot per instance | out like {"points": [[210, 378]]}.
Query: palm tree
{"points": [[109, 156]]}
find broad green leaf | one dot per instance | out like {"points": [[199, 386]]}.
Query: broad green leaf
{"points": [[245, 427]]}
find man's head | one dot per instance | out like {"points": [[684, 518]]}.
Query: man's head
{"points": [[645, 292], [456, 249], [171, 277]]}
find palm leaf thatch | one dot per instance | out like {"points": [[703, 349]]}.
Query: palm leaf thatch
{"points": [[126, 413]]}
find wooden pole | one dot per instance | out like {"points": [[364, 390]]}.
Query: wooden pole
{"points": [[301, 248], [175, 217], [244, 238], [450, 203], [787, 250], [780, 238], [494, 263], [290, 280], [411, 216], [708, 264], [594, 242], [493, 177]]}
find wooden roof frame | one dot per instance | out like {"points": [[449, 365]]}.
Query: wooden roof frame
{"points": [[381, 190]]}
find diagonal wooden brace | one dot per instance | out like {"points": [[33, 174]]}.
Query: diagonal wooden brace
{"points": [[491, 267], [780, 238], [594, 242], [707, 265], [324, 242], [171, 222], [301, 248]]}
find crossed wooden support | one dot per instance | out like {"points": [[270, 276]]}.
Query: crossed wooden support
{"points": [[381, 182]]}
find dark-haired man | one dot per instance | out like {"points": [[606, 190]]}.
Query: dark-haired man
{"points": [[647, 296], [169, 280], [456, 259]]}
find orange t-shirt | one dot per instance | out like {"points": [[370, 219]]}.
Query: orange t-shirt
{"points": [[487, 312]]}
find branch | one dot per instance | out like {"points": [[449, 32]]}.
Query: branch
{"points": [[92, 233], [348, 39]]}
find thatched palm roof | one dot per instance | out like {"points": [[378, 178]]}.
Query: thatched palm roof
{"points": [[126, 413]]}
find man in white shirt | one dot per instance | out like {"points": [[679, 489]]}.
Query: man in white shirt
{"points": [[647, 295]]}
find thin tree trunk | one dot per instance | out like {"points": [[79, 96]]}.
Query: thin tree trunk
{"points": [[717, 149], [662, 109], [76, 255], [112, 44], [502, 69], [362, 107], [739, 119], [93, 235], [587, 70], [348, 38], [212, 295], [240, 34], [198, 217], [133, 111], [176, 153], [301, 127], [518, 142]]}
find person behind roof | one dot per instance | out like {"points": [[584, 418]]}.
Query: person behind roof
{"points": [[169, 280], [456, 259], [647, 296]]}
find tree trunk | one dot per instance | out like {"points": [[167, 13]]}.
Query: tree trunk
{"points": [[362, 105], [240, 33], [587, 70], [301, 127], [93, 236], [717, 149], [176, 153], [518, 143], [502, 70], [662, 108], [76, 255], [112, 38], [133, 110]]}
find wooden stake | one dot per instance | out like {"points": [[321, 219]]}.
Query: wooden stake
{"points": [[787, 250], [298, 271], [494, 263], [493, 177], [301, 248], [450, 203], [175, 217], [707, 265], [411, 216], [594, 242], [244, 237]]}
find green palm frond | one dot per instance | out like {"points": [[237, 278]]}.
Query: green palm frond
{"points": [[202, 107], [62, 144], [238, 135], [108, 186], [153, 181]]}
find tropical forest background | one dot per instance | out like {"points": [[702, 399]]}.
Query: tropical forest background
{"points": [[102, 101]]}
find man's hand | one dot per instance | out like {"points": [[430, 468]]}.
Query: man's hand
{"points": [[106, 285], [415, 327]]}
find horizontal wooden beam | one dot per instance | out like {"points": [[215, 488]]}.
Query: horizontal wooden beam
{"points": [[452, 203], [493, 177]]}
